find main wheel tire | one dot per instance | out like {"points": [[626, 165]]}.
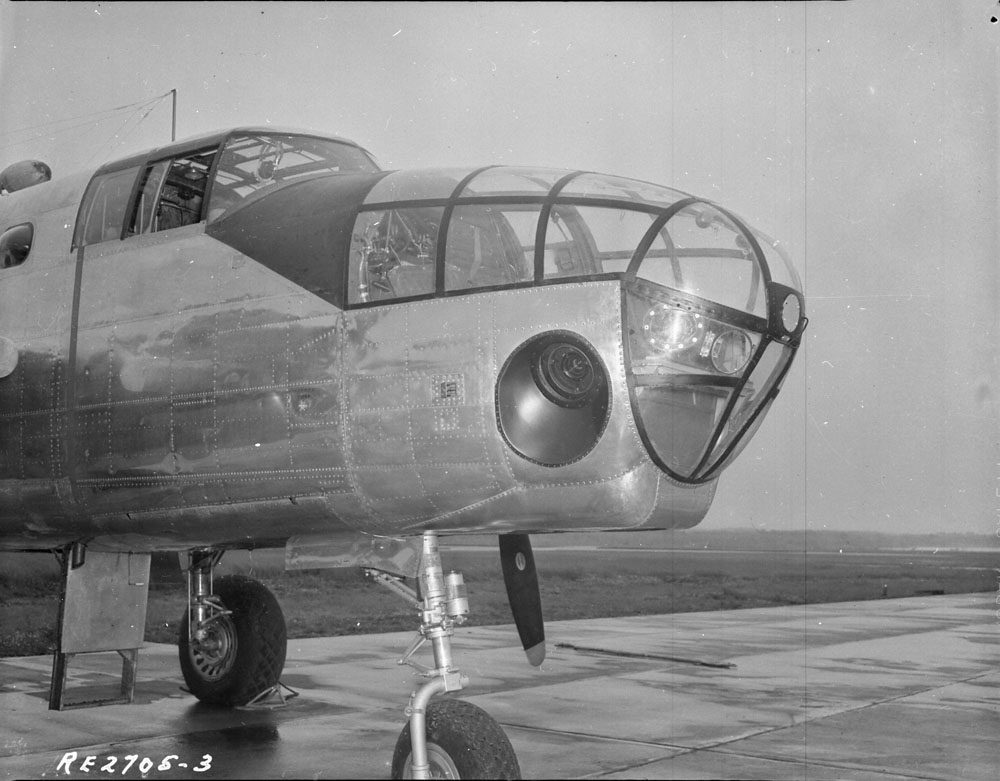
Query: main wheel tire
{"points": [[244, 652], [463, 741]]}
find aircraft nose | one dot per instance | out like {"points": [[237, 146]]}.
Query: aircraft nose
{"points": [[711, 332]]}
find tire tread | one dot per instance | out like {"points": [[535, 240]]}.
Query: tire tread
{"points": [[471, 737], [262, 638]]}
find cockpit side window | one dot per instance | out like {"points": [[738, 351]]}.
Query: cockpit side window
{"points": [[172, 193], [102, 212], [144, 216], [15, 244]]}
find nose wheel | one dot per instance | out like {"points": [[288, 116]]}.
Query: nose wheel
{"points": [[462, 741]]}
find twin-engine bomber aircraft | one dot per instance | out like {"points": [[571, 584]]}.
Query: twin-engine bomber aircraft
{"points": [[257, 338]]}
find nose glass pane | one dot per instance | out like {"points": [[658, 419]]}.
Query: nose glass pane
{"points": [[709, 257], [679, 418], [416, 185], [393, 253], [490, 245], [764, 377], [512, 182], [595, 240], [615, 188]]}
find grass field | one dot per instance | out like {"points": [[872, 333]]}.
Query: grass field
{"points": [[577, 582]]}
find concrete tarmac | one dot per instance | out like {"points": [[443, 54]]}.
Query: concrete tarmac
{"points": [[888, 689]]}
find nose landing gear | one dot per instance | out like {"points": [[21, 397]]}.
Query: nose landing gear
{"points": [[444, 738]]}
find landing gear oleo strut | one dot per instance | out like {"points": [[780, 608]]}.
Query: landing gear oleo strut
{"points": [[444, 738]]}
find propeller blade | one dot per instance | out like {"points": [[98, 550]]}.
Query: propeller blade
{"points": [[521, 580]]}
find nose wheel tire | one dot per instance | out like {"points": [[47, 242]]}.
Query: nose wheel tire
{"points": [[242, 653], [463, 741]]}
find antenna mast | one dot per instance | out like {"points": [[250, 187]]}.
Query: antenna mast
{"points": [[173, 116]]}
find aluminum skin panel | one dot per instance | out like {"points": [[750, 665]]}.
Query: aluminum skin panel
{"points": [[206, 409], [221, 388], [419, 461], [36, 300]]}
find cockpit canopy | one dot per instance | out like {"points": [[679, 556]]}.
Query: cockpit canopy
{"points": [[201, 179]]}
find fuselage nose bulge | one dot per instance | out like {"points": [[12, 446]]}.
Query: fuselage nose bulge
{"points": [[712, 310], [620, 337], [714, 314]]}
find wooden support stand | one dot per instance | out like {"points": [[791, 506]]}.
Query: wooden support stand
{"points": [[103, 608]]}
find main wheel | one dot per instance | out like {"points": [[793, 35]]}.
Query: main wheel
{"points": [[463, 741], [243, 652]]}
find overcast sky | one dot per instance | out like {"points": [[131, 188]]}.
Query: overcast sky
{"points": [[864, 135]]}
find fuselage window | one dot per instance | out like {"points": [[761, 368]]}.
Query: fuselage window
{"points": [[102, 214], [15, 244], [172, 193]]}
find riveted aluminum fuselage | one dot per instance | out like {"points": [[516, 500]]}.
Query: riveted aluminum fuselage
{"points": [[211, 401], [179, 387]]}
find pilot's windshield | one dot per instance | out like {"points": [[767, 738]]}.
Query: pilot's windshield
{"points": [[252, 162]]}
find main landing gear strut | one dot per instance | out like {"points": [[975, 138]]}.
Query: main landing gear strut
{"points": [[444, 738], [232, 640]]}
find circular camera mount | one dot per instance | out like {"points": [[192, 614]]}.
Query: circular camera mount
{"points": [[553, 399]]}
